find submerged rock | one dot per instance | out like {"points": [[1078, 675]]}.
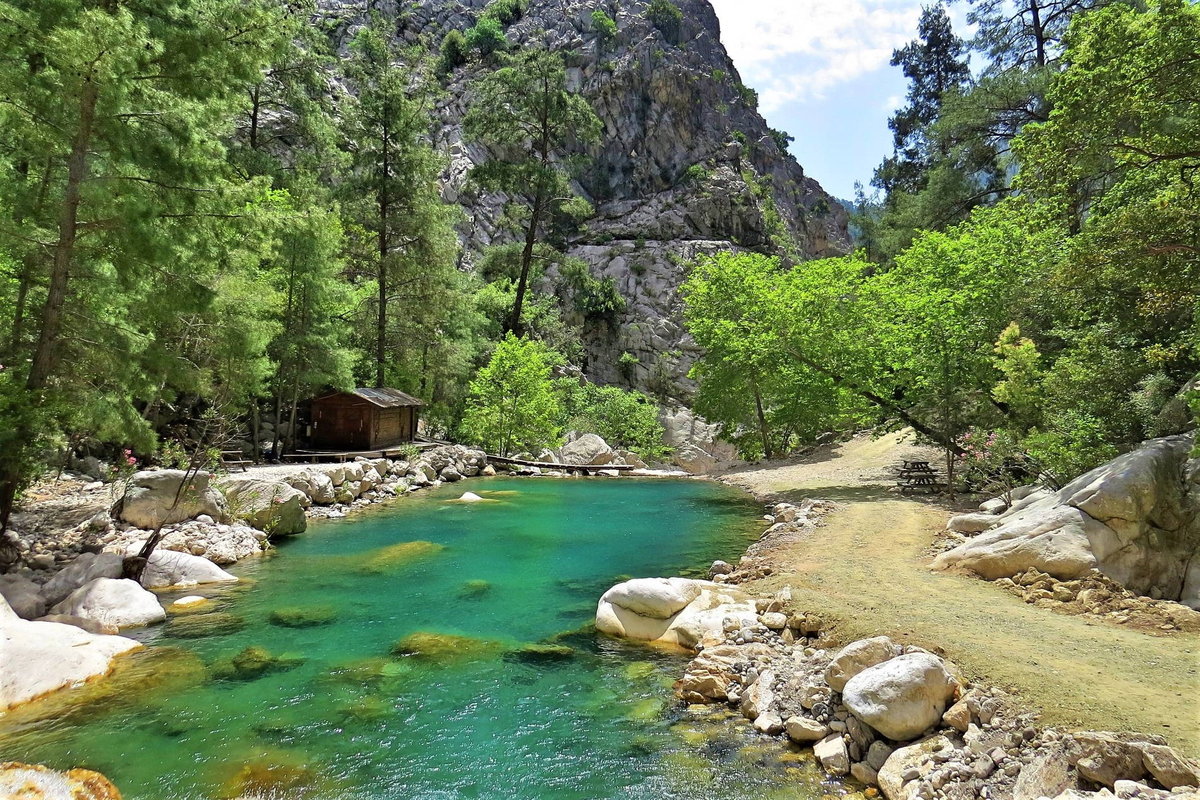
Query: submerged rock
{"points": [[474, 590], [303, 616], [35, 782], [396, 555], [196, 626], [444, 647], [541, 654], [254, 662]]}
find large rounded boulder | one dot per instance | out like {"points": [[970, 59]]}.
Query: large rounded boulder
{"points": [[857, 656], [587, 450], [167, 568], [161, 497], [901, 697], [121, 603], [677, 611], [267, 503]]}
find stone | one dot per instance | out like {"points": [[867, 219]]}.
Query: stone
{"points": [[710, 674], [317, 486], [470, 497], [1046, 774], [719, 568], [971, 523], [444, 648], [160, 497], [901, 770], [1168, 767], [759, 697], [769, 723], [958, 716], [1106, 758], [803, 730], [451, 475], [23, 596], [832, 755], [113, 601], [997, 505], [677, 611], [774, 620], [86, 568], [268, 504], [864, 773], [167, 568], [857, 656], [902, 697], [42, 657], [877, 754], [303, 616], [34, 782], [190, 601], [587, 450]]}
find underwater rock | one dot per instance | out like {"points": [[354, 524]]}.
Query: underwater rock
{"points": [[396, 555], [273, 778], [541, 654], [443, 647], [196, 626], [303, 616], [35, 782], [473, 590], [254, 662]]}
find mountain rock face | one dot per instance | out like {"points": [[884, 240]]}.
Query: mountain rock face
{"points": [[686, 165]]}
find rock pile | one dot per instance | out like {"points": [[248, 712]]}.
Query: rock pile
{"points": [[787, 523], [897, 717]]}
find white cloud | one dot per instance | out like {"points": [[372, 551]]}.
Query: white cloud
{"points": [[795, 50]]}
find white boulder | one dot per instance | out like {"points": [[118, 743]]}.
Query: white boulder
{"points": [[118, 602], [902, 697], [166, 568], [677, 611], [23, 596], [587, 450], [857, 656], [41, 657], [160, 497], [267, 503], [833, 755], [86, 568], [971, 523]]}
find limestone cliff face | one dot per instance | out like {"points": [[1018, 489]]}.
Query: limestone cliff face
{"points": [[666, 108]]}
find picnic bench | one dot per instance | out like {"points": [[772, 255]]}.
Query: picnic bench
{"points": [[919, 476], [234, 458]]}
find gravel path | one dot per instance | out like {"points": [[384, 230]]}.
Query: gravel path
{"points": [[866, 568]]}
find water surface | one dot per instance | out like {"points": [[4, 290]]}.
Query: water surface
{"points": [[344, 713]]}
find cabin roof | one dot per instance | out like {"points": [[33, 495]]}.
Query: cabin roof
{"points": [[381, 398]]}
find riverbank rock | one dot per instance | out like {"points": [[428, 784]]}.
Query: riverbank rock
{"points": [[41, 657], [1136, 519], [587, 450], [86, 568], [159, 497], [268, 504], [166, 568], [695, 443], [23, 596], [112, 601], [899, 775], [34, 782], [677, 611], [857, 656], [715, 670], [901, 697], [972, 523], [219, 543]]}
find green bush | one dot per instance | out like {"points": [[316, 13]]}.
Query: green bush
{"points": [[506, 12], [487, 37], [595, 298], [454, 52], [667, 17], [627, 420], [695, 175], [749, 96], [782, 139], [604, 26]]}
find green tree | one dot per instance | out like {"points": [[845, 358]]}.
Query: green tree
{"points": [[525, 111], [627, 420], [605, 28], [667, 17], [403, 238], [513, 405]]}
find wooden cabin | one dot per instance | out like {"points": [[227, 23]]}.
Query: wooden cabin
{"points": [[364, 419]]}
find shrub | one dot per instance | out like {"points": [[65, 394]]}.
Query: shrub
{"points": [[667, 17], [627, 420], [782, 139], [595, 298], [695, 175], [487, 37], [749, 96], [454, 52], [506, 12], [604, 26]]}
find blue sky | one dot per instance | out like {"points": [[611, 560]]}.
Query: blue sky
{"points": [[821, 70]]}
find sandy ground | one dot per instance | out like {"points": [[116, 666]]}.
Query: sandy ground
{"points": [[866, 569]]}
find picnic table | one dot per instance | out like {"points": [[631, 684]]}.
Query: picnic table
{"points": [[919, 476]]}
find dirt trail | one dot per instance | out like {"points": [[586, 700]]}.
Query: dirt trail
{"points": [[866, 568]]}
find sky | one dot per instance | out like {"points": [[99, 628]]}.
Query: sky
{"points": [[822, 73]]}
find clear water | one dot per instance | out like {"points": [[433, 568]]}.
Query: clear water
{"points": [[343, 716]]}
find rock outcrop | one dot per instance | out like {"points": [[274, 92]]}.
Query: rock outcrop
{"points": [[120, 603], [269, 504], [41, 657], [35, 782], [686, 165], [1136, 519], [159, 497]]}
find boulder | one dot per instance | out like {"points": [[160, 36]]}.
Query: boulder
{"points": [[159, 497], [1105, 758], [118, 602], [1168, 767], [676, 611], [166, 568], [335, 472], [266, 503], [695, 443], [958, 717], [317, 486], [895, 779], [41, 657], [997, 505], [857, 656], [759, 697], [470, 497], [902, 697], [89, 625], [86, 568], [710, 674], [971, 523], [1047, 774], [803, 730], [1135, 519], [587, 450], [23, 596], [833, 755], [34, 782]]}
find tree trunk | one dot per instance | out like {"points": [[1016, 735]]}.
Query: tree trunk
{"points": [[384, 203], [64, 249], [1039, 35], [256, 430], [764, 432], [514, 322]]}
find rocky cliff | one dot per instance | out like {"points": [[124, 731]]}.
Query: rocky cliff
{"points": [[686, 164]]}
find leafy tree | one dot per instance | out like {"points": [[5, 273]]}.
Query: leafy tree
{"points": [[605, 28], [506, 12], [111, 163], [667, 17], [524, 111], [403, 237], [487, 37], [1020, 390], [513, 405], [454, 51], [626, 420], [783, 139]]}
